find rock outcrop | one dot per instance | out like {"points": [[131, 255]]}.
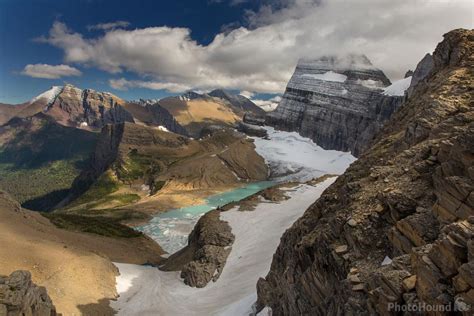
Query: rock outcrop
{"points": [[395, 232], [138, 156], [203, 259], [337, 102], [91, 110], [20, 296], [422, 70], [252, 130], [152, 114], [86, 108], [238, 102]]}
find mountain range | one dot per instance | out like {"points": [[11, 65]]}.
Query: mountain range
{"points": [[396, 228]]}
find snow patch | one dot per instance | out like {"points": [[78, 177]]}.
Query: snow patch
{"points": [[398, 88], [371, 84], [291, 156], [162, 128], [328, 76], [386, 261], [49, 95], [257, 235]]}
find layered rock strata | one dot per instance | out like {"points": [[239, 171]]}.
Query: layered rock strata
{"points": [[203, 259], [396, 230], [337, 102], [20, 296]]}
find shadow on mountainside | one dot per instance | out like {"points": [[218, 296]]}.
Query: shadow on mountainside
{"points": [[101, 308]]}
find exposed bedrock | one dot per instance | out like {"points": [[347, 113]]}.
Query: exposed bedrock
{"points": [[339, 103], [20, 296], [397, 228], [203, 259]]}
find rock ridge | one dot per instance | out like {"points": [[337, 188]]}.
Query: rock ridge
{"points": [[397, 228]]}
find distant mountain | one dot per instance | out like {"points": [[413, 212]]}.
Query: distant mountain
{"points": [[337, 102], [89, 109], [238, 102], [195, 111]]}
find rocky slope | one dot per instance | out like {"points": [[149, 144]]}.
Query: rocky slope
{"points": [[90, 109], [75, 268], [337, 102], [152, 114], [203, 259], [20, 296], [140, 162], [196, 111], [408, 198], [238, 102], [39, 159]]}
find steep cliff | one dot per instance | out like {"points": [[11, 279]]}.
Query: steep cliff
{"points": [[144, 160], [20, 296], [90, 109], [337, 102], [396, 229]]}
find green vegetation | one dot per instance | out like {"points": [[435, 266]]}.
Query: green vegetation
{"points": [[41, 159], [28, 184], [104, 186], [99, 225], [137, 166]]}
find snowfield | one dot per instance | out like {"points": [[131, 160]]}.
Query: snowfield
{"points": [[50, 95], [291, 156], [328, 76], [146, 290], [398, 88]]}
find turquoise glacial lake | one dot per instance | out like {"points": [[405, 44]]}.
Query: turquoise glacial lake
{"points": [[171, 229]]}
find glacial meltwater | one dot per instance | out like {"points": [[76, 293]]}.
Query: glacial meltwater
{"points": [[171, 229]]}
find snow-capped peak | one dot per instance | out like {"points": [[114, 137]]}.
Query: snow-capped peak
{"points": [[49, 95], [398, 88]]}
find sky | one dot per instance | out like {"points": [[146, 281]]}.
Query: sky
{"points": [[152, 49]]}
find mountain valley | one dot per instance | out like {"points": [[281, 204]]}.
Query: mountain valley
{"points": [[206, 188]]}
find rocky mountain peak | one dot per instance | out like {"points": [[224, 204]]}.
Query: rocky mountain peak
{"points": [[397, 228], [336, 101]]}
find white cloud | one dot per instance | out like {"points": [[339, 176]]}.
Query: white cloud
{"points": [[108, 26], [50, 71], [395, 35], [124, 84]]}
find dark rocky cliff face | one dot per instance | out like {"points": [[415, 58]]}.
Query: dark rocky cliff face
{"points": [[409, 198], [20, 296], [337, 103]]}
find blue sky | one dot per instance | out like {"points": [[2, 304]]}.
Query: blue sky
{"points": [[21, 21], [158, 48]]}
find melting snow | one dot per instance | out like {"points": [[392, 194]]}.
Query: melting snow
{"points": [[49, 95], [162, 128], [328, 76], [294, 157], [398, 88], [148, 291]]}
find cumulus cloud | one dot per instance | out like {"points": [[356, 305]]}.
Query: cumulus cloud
{"points": [[50, 71], [261, 57], [108, 26], [124, 84]]}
